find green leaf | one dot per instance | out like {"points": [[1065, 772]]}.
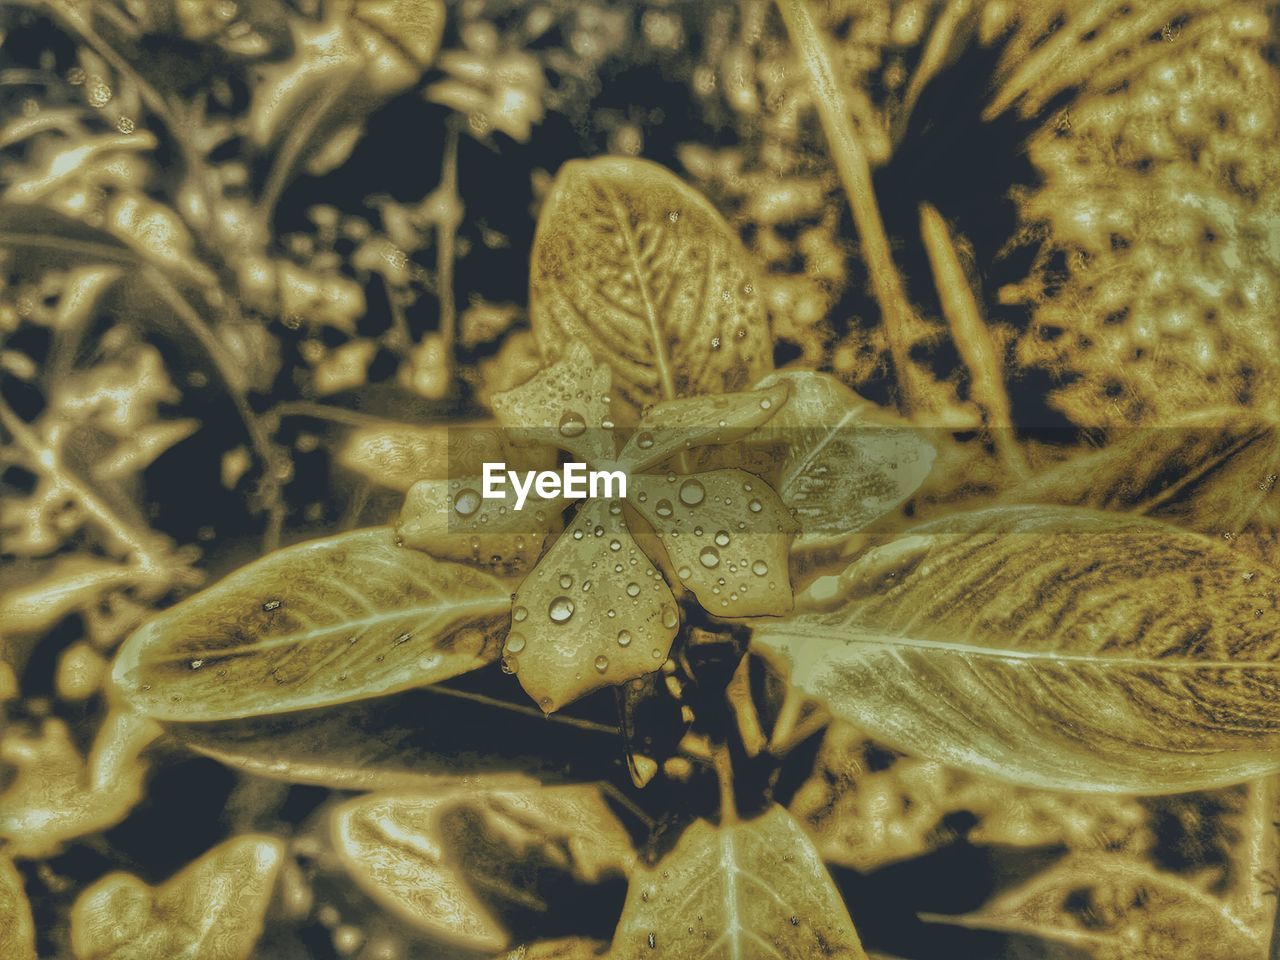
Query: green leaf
{"points": [[422, 856], [635, 265], [17, 929], [324, 622], [211, 910], [756, 889], [727, 535], [846, 462], [1055, 647], [674, 426], [594, 612]]}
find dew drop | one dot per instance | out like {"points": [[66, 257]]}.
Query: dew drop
{"points": [[624, 638], [602, 663], [759, 568], [519, 614], [669, 616], [633, 589], [755, 506], [466, 502], [566, 581], [271, 605], [572, 425], [692, 492], [722, 538], [664, 509], [598, 531], [577, 534], [560, 609], [196, 664], [684, 573], [709, 557], [515, 643], [615, 545], [644, 440], [510, 665]]}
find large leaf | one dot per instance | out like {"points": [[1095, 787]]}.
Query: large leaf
{"points": [[211, 910], [1210, 472], [435, 736], [756, 889], [634, 264], [17, 929], [1119, 908], [846, 462], [1055, 647], [323, 622], [424, 856]]}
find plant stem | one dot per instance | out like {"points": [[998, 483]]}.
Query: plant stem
{"points": [[972, 338], [900, 320], [1259, 848], [446, 252], [724, 774]]}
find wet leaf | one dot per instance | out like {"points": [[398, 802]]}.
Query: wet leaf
{"points": [[846, 461], [451, 520], [17, 929], [727, 535], [211, 910], [1055, 647], [1119, 908], [1210, 473], [327, 621], [634, 264], [672, 426], [756, 889], [594, 612], [567, 405], [410, 851]]}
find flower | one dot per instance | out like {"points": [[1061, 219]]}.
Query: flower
{"points": [[598, 608]]}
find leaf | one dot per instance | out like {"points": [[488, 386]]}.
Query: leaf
{"points": [[756, 889], [567, 405], [451, 520], [640, 268], [570, 948], [417, 853], [672, 426], [416, 739], [1119, 909], [1210, 473], [397, 455], [727, 535], [846, 462], [323, 622], [1055, 647], [17, 929], [594, 612], [211, 910]]}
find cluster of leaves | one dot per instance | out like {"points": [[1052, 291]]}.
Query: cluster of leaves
{"points": [[538, 708]]}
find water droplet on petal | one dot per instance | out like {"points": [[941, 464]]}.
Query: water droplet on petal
{"points": [[669, 616], [519, 613], [510, 665], [709, 557], [515, 643], [755, 506], [602, 663], [466, 502], [664, 509], [692, 492], [759, 568], [560, 609], [566, 581], [615, 545], [722, 538], [572, 425], [766, 403], [644, 440], [624, 638], [684, 573], [633, 589]]}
